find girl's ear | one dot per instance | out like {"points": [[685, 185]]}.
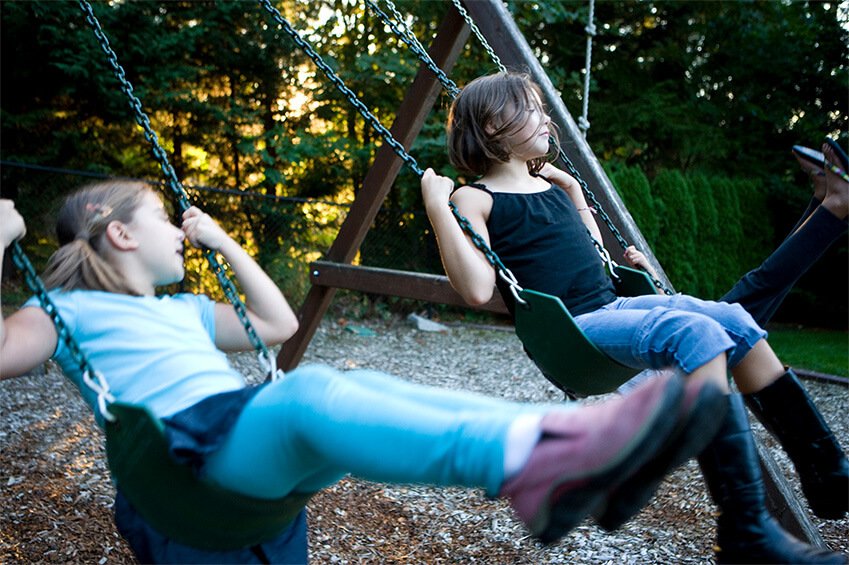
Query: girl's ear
{"points": [[119, 236]]}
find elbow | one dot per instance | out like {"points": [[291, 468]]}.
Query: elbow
{"points": [[291, 329], [478, 297], [284, 331]]}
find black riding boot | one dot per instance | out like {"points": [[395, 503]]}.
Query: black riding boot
{"points": [[746, 533], [786, 410]]}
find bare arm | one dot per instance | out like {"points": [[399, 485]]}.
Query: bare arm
{"points": [[575, 194], [467, 268], [268, 310], [28, 337]]}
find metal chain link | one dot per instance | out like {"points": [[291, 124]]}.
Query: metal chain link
{"points": [[340, 84], [162, 158], [415, 46], [484, 43], [33, 281], [98, 383], [490, 255]]}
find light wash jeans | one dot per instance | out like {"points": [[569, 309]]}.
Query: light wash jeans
{"points": [[658, 331]]}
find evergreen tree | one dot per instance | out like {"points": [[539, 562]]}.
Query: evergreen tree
{"points": [[676, 242]]}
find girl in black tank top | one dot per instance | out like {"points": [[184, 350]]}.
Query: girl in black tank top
{"points": [[544, 228]]}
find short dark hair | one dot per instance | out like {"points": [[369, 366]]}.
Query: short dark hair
{"points": [[484, 115]]}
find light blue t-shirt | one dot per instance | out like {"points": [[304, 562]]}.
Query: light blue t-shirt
{"points": [[153, 351]]}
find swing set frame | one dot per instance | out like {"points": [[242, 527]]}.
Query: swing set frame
{"points": [[497, 30]]}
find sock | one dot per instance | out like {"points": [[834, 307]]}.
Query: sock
{"points": [[522, 436]]}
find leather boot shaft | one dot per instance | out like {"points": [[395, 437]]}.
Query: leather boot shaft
{"points": [[787, 411], [746, 533]]}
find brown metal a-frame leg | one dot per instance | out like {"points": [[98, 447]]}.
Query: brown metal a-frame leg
{"points": [[421, 97]]}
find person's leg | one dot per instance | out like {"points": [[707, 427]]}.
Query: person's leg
{"points": [[762, 290], [746, 533], [456, 400], [323, 424], [314, 426], [782, 405], [787, 411], [758, 369], [657, 331], [678, 328]]}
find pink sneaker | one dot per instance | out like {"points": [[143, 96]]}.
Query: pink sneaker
{"points": [[701, 412], [585, 453]]}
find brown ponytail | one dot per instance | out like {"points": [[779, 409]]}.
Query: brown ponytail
{"points": [[81, 225]]}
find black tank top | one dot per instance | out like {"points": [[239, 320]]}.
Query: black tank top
{"points": [[540, 237]]}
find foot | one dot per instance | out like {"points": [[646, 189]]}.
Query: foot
{"points": [[702, 411], [811, 162], [586, 452], [837, 180]]}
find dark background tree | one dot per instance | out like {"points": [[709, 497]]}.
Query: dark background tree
{"points": [[692, 99]]}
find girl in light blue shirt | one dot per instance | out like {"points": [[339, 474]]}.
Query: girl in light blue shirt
{"points": [[301, 433]]}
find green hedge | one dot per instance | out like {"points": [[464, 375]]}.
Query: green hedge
{"points": [[705, 231]]}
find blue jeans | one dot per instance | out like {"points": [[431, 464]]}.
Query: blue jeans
{"points": [[658, 331], [316, 425]]}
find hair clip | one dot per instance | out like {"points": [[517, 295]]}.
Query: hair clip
{"points": [[97, 208]]}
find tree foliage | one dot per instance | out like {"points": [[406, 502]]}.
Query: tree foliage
{"points": [[720, 89]]}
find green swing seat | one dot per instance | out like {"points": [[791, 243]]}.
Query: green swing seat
{"points": [[560, 349], [171, 498]]}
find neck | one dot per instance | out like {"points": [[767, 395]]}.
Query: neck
{"points": [[512, 172]]}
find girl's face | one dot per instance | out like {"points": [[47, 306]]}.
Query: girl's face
{"points": [[532, 140], [160, 243]]}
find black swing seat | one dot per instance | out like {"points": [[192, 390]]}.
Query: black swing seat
{"points": [[171, 498], [562, 351]]}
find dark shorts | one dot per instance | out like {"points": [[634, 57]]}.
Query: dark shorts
{"points": [[192, 434]]}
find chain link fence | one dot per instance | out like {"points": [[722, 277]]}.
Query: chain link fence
{"points": [[283, 234]]}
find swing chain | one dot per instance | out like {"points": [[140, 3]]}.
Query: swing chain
{"points": [[269, 366], [162, 158], [415, 46], [99, 385], [484, 43], [141, 118], [33, 281], [349, 94], [608, 262]]}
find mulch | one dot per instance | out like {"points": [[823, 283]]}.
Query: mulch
{"points": [[56, 502]]}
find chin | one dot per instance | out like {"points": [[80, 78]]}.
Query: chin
{"points": [[178, 277]]}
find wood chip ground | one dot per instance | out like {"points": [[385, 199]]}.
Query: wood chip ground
{"points": [[56, 495]]}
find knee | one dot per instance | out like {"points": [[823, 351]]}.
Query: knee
{"points": [[691, 339], [689, 329]]}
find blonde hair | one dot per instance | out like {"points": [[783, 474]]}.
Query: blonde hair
{"points": [[81, 226], [483, 117]]}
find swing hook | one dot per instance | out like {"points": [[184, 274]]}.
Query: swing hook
{"points": [[99, 385], [268, 362]]}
